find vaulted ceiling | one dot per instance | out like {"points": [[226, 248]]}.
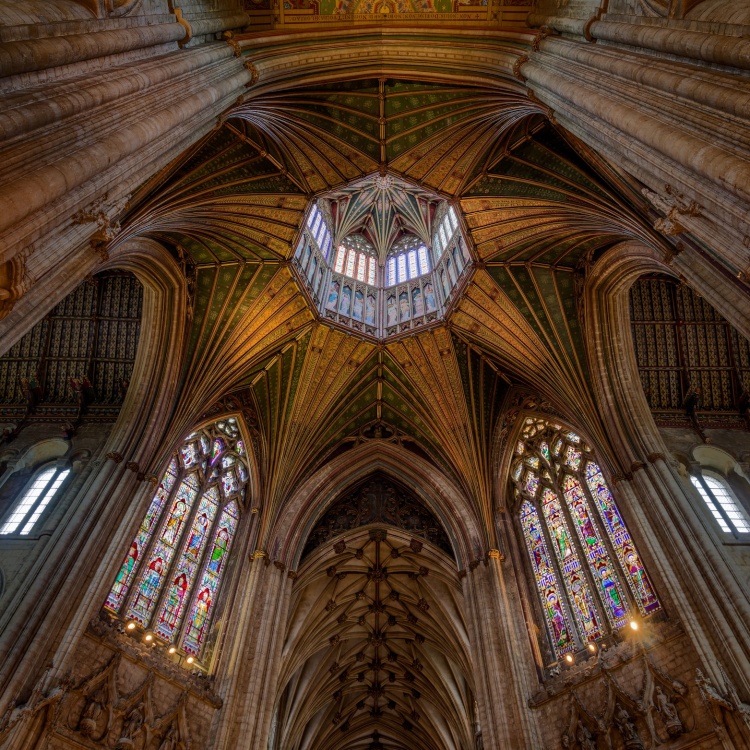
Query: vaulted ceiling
{"points": [[539, 209], [376, 652]]}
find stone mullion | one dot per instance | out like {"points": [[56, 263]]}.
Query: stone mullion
{"points": [[599, 524], [202, 487], [245, 540], [578, 547], [155, 538], [211, 535], [719, 506], [530, 588]]}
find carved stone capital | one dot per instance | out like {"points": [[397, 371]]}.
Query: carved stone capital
{"points": [[115, 456], [517, 65]]}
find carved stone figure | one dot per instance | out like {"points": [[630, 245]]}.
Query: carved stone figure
{"points": [[171, 738], [584, 737], [131, 726], [90, 716], [627, 729], [668, 713]]}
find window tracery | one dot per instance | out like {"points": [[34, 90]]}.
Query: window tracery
{"points": [[408, 259], [173, 570], [588, 574], [356, 259]]}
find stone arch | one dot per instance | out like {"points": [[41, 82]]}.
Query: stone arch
{"points": [[718, 459], [435, 490], [110, 503], [676, 548], [160, 346], [377, 500]]}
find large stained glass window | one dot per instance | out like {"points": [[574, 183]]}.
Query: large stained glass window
{"points": [[588, 574], [173, 569]]}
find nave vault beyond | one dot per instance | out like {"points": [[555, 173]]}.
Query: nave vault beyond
{"points": [[374, 375]]}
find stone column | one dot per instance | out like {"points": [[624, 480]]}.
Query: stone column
{"points": [[248, 675], [46, 620], [504, 676], [678, 127]]}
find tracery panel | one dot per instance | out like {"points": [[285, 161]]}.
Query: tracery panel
{"points": [[173, 570], [595, 581], [688, 355]]}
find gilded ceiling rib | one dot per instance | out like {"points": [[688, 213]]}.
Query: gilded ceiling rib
{"points": [[537, 212]]}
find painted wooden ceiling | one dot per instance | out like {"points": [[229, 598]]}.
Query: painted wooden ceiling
{"points": [[539, 209], [384, 209]]}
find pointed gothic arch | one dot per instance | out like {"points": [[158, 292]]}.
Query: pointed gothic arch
{"points": [[175, 569], [586, 572], [436, 491]]}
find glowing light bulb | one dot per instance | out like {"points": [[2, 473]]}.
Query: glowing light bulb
{"points": [[172, 649], [190, 660], [592, 647], [633, 625], [131, 626], [148, 637], [569, 658]]}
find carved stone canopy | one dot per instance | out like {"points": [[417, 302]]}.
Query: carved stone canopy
{"points": [[378, 500]]}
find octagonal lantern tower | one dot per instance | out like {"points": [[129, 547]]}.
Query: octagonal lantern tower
{"points": [[382, 256]]}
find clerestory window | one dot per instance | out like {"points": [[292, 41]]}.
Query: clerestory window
{"points": [[409, 258], [26, 513], [721, 501], [356, 259]]}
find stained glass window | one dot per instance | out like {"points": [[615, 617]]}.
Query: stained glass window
{"points": [[34, 501], [172, 572], [553, 605], [588, 573]]}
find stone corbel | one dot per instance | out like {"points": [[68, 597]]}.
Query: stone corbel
{"points": [[517, 67], [103, 213]]}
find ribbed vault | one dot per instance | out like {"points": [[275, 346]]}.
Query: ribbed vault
{"points": [[539, 209], [376, 649]]}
